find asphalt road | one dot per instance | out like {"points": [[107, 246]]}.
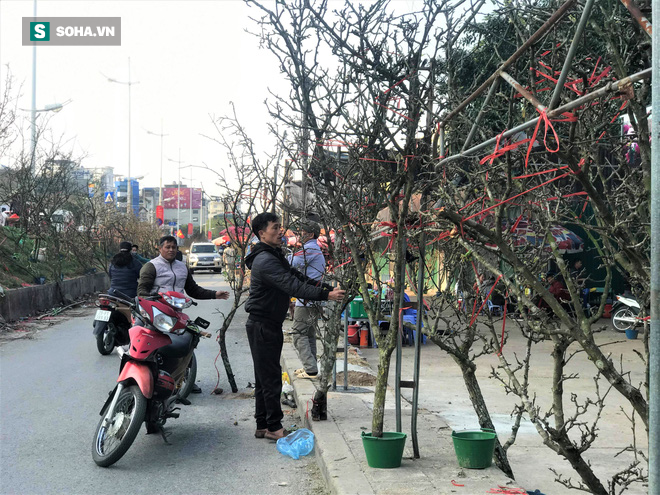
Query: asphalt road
{"points": [[53, 384]]}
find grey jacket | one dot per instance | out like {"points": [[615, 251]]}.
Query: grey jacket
{"points": [[159, 275]]}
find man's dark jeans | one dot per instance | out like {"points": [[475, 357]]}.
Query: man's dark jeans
{"points": [[266, 341]]}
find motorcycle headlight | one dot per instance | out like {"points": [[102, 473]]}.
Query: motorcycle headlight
{"points": [[144, 314], [178, 302], [162, 321]]}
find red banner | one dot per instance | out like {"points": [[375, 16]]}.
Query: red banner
{"points": [[190, 229], [185, 195], [210, 236], [160, 215]]}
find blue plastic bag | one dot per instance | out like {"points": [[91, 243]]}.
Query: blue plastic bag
{"points": [[297, 444]]}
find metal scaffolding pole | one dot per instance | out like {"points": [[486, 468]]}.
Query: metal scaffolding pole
{"points": [[525, 46], [654, 338], [609, 88], [568, 61], [639, 17], [397, 374], [421, 268]]}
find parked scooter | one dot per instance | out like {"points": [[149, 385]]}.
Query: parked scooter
{"points": [[152, 374], [112, 321], [625, 314]]}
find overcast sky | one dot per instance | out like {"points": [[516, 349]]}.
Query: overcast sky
{"points": [[191, 59]]}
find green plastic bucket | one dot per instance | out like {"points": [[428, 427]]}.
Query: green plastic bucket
{"points": [[474, 449], [386, 451]]}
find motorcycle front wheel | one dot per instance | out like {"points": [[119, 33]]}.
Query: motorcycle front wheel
{"points": [[188, 379], [113, 440], [105, 340], [622, 325]]}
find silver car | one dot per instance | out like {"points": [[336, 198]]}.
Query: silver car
{"points": [[203, 256]]}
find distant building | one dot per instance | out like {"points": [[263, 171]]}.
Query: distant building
{"points": [[121, 195], [215, 208], [99, 180], [149, 198], [183, 206]]}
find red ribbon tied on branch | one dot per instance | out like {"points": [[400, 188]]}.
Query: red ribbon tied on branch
{"points": [[391, 235], [546, 121], [501, 151]]}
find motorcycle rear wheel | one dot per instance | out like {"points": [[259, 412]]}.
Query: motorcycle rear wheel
{"points": [[105, 340], [189, 378], [111, 443], [624, 312]]}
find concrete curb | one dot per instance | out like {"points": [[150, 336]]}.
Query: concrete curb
{"points": [[340, 468]]}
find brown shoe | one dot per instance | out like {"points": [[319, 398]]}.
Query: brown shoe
{"points": [[260, 433], [276, 435]]}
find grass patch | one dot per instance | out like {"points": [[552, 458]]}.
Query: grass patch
{"points": [[19, 266]]}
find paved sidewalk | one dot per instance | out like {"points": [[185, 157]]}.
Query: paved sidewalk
{"points": [[341, 456], [444, 405]]}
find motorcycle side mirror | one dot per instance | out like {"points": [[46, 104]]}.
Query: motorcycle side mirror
{"points": [[201, 322]]}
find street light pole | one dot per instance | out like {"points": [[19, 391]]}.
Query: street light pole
{"points": [[34, 98], [178, 194], [205, 212], [190, 193], [53, 107], [161, 135], [129, 83], [190, 203], [202, 222]]}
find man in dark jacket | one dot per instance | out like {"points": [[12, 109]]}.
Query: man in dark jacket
{"points": [[272, 283]]}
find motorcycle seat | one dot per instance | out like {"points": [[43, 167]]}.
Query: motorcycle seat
{"points": [[181, 345]]}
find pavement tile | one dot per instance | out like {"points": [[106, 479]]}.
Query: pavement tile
{"points": [[340, 453], [444, 405]]}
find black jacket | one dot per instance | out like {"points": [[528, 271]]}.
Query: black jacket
{"points": [[273, 282], [125, 278]]}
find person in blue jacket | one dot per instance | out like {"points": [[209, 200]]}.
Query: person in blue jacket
{"points": [[310, 261], [124, 272], [134, 252]]}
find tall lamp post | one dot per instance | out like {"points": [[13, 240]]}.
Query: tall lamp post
{"points": [[53, 107], [202, 187], [202, 221], [129, 83], [190, 193], [178, 194], [161, 135], [34, 98]]}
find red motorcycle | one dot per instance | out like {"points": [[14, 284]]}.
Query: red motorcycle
{"points": [[153, 376]]}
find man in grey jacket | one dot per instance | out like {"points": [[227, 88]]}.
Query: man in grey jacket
{"points": [[165, 273], [272, 283]]}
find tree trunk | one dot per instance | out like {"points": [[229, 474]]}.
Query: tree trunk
{"points": [[479, 404], [606, 367], [582, 467], [329, 356], [384, 357], [225, 358]]}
